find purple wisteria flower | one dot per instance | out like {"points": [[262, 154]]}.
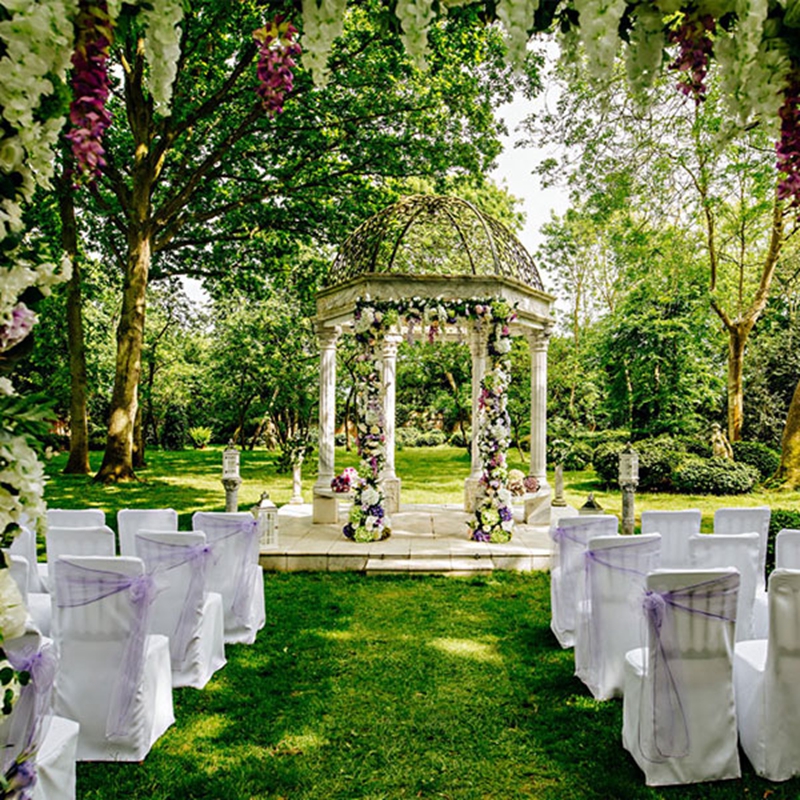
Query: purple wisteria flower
{"points": [[13, 332], [788, 148], [695, 45], [275, 63]]}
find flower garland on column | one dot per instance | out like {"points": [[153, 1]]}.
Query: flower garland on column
{"points": [[368, 521]]}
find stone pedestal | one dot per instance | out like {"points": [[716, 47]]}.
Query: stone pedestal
{"points": [[391, 494], [537, 507], [473, 491], [231, 486], [326, 507], [628, 514], [297, 484]]}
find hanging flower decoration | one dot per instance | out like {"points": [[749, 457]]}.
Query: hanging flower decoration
{"points": [[788, 148], [693, 33], [88, 113], [277, 49], [345, 480], [493, 520]]}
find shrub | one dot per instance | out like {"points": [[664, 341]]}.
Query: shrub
{"points": [[659, 458], [406, 437], [579, 456], [431, 438], [763, 458], [200, 436], [779, 519], [174, 430], [715, 476], [459, 439]]}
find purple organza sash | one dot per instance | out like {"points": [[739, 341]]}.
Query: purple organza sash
{"points": [[80, 586], [28, 723], [713, 600], [217, 529], [160, 557], [631, 560]]}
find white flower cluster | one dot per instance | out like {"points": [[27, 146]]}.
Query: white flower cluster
{"points": [[599, 24], [645, 48], [22, 273], [162, 45], [322, 23], [415, 16], [517, 18], [21, 482]]}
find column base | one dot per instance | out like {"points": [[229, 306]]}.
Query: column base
{"points": [[473, 491], [537, 507], [391, 494], [326, 507]]}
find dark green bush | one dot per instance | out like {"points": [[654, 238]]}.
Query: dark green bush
{"points": [[658, 460], [457, 439], [779, 519], [431, 438], [175, 429], [579, 456], [763, 458], [715, 476]]}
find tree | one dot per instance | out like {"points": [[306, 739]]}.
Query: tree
{"points": [[219, 187]]}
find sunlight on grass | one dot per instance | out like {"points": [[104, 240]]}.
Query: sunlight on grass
{"points": [[468, 648], [336, 636], [298, 744], [203, 728]]}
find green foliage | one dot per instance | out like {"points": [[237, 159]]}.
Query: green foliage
{"points": [[717, 476], [573, 455], [778, 520], [658, 459], [200, 436], [758, 455], [175, 428], [413, 437]]}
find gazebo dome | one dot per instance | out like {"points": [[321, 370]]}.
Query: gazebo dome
{"points": [[434, 235]]}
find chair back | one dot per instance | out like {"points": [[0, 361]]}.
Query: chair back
{"points": [[233, 540], [570, 536], [740, 551], [24, 544], [20, 572], [677, 529], [609, 620], [733, 521], [102, 607], [178, 562], [75, 517], [95, 541], [787, 549], [132, 520]]}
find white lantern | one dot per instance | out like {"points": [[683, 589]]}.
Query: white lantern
{"points": [[266, 513], [230, 462], [628, 465]]}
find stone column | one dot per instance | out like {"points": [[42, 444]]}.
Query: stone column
{"points": [[389, 479], [325, 503], [478, 339], [537, 507]]}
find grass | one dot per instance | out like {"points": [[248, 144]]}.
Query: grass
{"points": [[398, 687], [190, 480]]}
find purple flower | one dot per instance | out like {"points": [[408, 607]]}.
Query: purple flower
{"points": [[22, 321], [275, 63], [505, 513]]}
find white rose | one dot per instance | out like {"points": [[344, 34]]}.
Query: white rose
{"points": [[369, 497], [11, 154], [13, 614]]}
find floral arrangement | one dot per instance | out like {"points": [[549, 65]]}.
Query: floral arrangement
{"points": [[275, 63], [162, 45], [345, 480]]}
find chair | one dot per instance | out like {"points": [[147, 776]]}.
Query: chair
{"points": [[31, 734], [183, 610], [787, 549], [24, 544], [113, 678], [677, 528], [733, 521], [679, 718], [132, 520], [75, 517], [608, 622], [767, 691], [739, 551], [76, 541], [20, 571], [570, 536], [234, 571]]}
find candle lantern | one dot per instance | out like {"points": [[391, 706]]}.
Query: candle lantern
{"points": [[266, 513]]}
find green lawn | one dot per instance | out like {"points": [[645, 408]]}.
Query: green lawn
{"points": [[190, 481], [398, 687]]}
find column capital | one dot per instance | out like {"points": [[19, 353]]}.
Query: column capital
{"points": [[391, 341], [327, 335], [539, 338], [478, 338]]}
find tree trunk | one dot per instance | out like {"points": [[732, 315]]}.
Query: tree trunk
{"points": [[737, 339], [78, 461], [138, 440], [789, 470], [118, 459]]}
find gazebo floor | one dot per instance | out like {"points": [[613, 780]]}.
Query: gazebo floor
{"points": [[428, 539]]}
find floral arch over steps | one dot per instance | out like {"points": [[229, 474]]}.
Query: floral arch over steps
{"points": [[431, 267]]}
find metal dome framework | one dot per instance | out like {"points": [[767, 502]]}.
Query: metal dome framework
{"points": [[432, 249], [434, 235]]}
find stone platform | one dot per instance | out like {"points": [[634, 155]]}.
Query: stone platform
{"points": [[426, 539]]}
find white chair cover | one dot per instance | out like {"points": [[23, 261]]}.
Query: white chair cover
{"points": [[55, 763], [234, 571], [24, 544], [79, 540], [787, 549], [570, 536], [733, 521], [20, 571], [767, 687], [75, 517], [114, 679], [738, 551], [132, 520], [677, 529], [183, 610], [609, 618], [679, 718]]}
